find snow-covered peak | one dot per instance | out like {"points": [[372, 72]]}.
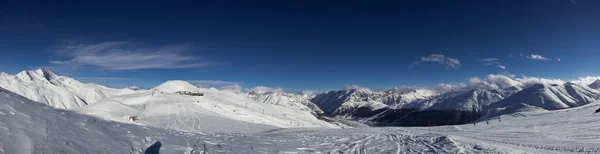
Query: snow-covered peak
{"points": [[44, 86], [173, 86], [38, 74], [551, 96], [595, 85]]}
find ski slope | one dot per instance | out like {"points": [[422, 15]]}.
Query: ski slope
{"points": [[216, 111], [30, 127]]}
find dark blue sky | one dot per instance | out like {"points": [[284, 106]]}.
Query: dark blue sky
{"points": [[301, 44]]}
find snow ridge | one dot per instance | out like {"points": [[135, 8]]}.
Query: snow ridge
{"points": [[44, 86]]}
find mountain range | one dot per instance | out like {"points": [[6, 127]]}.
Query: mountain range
{"points": [[417, 107]]}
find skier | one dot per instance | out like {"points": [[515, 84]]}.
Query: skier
{"points": [[487, 122], [499, 120]]}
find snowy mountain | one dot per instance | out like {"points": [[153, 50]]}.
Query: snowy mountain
{"points": [[447, 109], [287, 100], [344, 102], [44, 86], [595, 85], [350, 102], [551, 97], [458, 107], [216, 111], [30, 127]]}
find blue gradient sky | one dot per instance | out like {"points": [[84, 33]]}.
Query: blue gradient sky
{"points": [[300, 45]]}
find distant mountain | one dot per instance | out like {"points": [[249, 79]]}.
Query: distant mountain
{"points": [[447, 109], [551, 97], [423, 108], [44, 86], [595, 85], [354, 102], [288, 100]]}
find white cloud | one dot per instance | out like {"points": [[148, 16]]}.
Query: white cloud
{"points": [[235, 88], [127, 56], [493, 82], [100, 79], [586, 80], [536, 57], [263, 90], [488, 59], [558, 59], [352, 86], [208, 83], [497, 81], [492, 61], [440, 59]]}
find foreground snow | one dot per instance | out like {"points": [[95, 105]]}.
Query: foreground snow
{"points": [[30, 127]]}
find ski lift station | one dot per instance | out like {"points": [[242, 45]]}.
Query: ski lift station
{"points": [[189, 93]]}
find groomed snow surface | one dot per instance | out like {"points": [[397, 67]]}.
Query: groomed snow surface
{"points": [[31, 127]]}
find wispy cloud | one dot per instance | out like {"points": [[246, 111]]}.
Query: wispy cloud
{"points": [[100, 79], [536, 57], [488, 59], [440, 59], [212, 83], [492, 61], [129, 56], [558, 59]]}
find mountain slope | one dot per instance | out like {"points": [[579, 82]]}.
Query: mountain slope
{"points": [[447, 109], [595, 85], [216, 111], [287, 100], [358, 101], [58, 91], [551, 97]]}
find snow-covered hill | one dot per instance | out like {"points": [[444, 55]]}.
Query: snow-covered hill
{"points": [[216, 111], [175, 86], [44, 86]]}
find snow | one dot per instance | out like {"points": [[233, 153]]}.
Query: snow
{"points": [[175, 86], [287, 100], [216, 111], [44, 86], [551, 97], [347, 101], [542, 118], [30, 127]]}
